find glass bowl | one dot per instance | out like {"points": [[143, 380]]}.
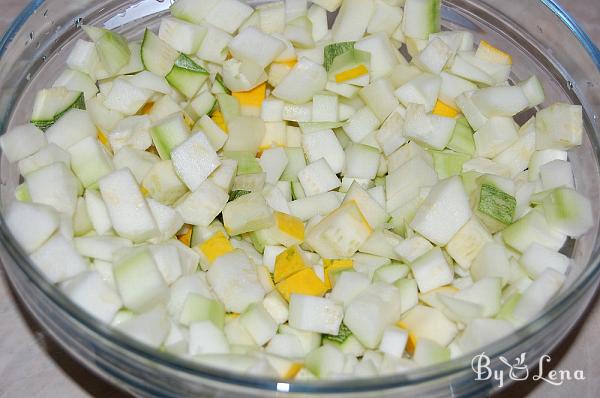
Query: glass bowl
{"points": [[542, 38]]}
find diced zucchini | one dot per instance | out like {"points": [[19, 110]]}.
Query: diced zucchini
{"points": [[112, 48], [331, 51], [247, 213], [568, 212], [462, 137], [246, 162], [448, 163], [169, 133], [352, 20], [186, 76], [532, 228], [421, 18], [182, 36], [230, 106], [89, 161], [157, 56], [496, 203], [244, 47], [194, 160], [51, 104]]}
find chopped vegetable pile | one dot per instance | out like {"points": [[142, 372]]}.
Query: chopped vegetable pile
{"points": [[254, 190]]}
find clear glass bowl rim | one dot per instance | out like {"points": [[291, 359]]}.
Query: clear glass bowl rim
{"points": [[588, 279]]}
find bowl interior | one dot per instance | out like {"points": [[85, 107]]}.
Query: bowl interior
{"points": [[45, 48]]}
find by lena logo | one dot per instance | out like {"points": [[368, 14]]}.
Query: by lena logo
{"points": [[518, 370]]}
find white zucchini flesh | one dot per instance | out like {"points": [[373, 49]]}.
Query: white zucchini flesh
{"points": [[58, 260], [126, 206], [373, 212], [192, 11], [97, 212], [150, 328], [318, 178], [421, 17], [497, 134], [126, 98], [253, 45], [560, 126], [137, 161], [49, 154], [22, 141], [150, 81], [201, 206], [318, 18], [537, 295], [157, 56], [383, 54], [90, 292], [54, 185], [194, 160], [500, 101], [234, 280], [304, 80], [348, 286], [228, 15], [245, 134], [361, 124], [259, 323], [533, 90], [77, 81], [206, 338], [182, 36], [214, 45], [379, 97], [423, 89], [71, 128], [386, 18], [315, 314], [444, 212], [31, 224], [89, 161], [100, 247], [324, 144], [84, 58], [352, 20]]}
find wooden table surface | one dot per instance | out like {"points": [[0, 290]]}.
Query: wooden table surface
{"points": [[33, 366]]}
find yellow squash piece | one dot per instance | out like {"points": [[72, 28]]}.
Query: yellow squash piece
{"points": [[287, 231], [304, 282], [145, 192], [290, 225], [350, 74], [411, 343], [490, 53], [185, 235], [291, 63], [103, 139], [293, 370], [216, 246], [145, 110], [443, 109], [254, 97], [218, 118], [334, 267], [288, 263]]}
